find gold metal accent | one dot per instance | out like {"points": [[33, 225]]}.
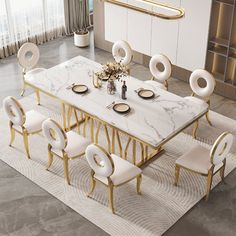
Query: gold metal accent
{"points": [[216, 145], [195, 129], [119, 143], [179, 11], [126, 148], [210, 173], [97, 83], [37, 96], [110, 186]]}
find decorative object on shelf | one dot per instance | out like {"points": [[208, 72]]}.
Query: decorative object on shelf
{"points": [[123, 90], [81, 36], [112, 71], [177, 12]]}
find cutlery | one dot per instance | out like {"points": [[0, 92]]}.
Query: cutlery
{"points": [[137, 90], [157, 96], [70, 86], [110, 105]]}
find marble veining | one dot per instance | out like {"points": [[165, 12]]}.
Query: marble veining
{"points": [[152, 121]]}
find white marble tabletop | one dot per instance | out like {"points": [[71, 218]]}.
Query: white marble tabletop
{"points": [[152, 121]]}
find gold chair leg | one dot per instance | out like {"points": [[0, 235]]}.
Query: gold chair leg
{"points": [[139, 180], [26, 143], [195, 129], [177, 171], [13, 135], [92, 186], [111, 204], [37, 96], [222, 171], [50, 159], [208, 119], [209, 183], [66, 168], [23, 90]]}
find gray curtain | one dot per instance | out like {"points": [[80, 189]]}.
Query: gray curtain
{"points": [[76, 15]]}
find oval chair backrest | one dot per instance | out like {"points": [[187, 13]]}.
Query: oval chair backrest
{"points": [[209, 79], [28, 55], [119, 46], [221, 148], [55, 135], [99, 160], [153, 66], [14, 111]]}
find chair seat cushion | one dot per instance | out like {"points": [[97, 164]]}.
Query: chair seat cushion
{"points": [[33, 122], [156, 84], [197, 159], [34, 71], [76, 145], [124, 171], [197, 100]]}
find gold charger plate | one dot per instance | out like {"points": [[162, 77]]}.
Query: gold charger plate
{"points": [[79, 88], [146, 93], [121, 107]]}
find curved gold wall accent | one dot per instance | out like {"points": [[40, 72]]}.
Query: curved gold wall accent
{"points": [[179, 11]]}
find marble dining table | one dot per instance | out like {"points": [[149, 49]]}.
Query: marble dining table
{"points": [[152, 121]]}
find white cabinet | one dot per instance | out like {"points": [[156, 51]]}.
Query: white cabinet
{"points": [[193, 34], [165, 34], [115, 22], [183, 40], [139, 28]]}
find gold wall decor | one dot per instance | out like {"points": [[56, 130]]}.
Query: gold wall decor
{"points": [[178, 12]]}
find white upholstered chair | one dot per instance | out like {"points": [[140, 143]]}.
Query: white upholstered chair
{"points": [[28, 57], [24, 123], [120, 47], [110, 170], [206, 162], [66, 146], [201, 95], [159, 78]]}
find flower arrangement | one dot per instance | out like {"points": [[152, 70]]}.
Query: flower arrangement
{"points": [[112, 71]]}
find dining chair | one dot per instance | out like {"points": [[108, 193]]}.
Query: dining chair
{"points": [[119, 48], [65, 145], [28, 57], [159, 77], [24, 123], [110, 170], [206, 162], [201, 95]]}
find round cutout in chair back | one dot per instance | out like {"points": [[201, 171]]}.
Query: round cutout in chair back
{"points": [[99, 160], [14, 111], [221, 148], [156, 73], [116, 52], [28, 55], [54, 134], [209, 79]]}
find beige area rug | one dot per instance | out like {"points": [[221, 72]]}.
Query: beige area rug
{"points": [[152, 213]]}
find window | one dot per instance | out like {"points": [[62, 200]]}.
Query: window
{"points": [[20, 20]]}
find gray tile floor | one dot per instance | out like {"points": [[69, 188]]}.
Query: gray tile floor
{"points": [[27, 210]]}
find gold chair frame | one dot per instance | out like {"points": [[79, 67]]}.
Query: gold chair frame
{"points": [[196, 124], [110, 185], [24, 132], [210, 173], [64, 156]]}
